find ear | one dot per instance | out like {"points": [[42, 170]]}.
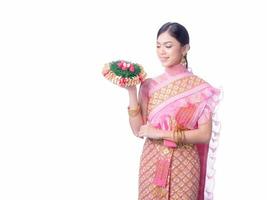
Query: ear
{"points": [[186, 49]]}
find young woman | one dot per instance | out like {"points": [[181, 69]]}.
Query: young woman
{"points": [[174, 113]]}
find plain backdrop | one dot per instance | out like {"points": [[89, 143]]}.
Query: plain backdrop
{"points": [[64, 132]]}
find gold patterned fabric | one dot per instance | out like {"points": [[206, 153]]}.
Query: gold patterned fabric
{"points": [[172, 89], [183, 180]]}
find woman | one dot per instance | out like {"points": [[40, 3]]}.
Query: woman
{"points": [[174, 112]]}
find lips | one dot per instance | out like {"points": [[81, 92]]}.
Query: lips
{"points": [[163, 59]]}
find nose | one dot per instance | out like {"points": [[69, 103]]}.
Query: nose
{"points": [[161, 51]]}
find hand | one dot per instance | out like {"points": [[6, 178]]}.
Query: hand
{"points": [[149, 131]]}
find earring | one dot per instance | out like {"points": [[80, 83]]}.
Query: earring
{"points": [[183, 61]]}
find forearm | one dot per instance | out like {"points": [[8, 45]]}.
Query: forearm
{"points": [[194, 136], [135, 121]]}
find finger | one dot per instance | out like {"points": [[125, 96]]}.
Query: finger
{"points": [[140, 134], [148, 124], [143, 127]]}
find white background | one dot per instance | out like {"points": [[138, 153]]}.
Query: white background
{"points": [[64, 131]]}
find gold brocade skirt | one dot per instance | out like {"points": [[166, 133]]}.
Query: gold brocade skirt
{"points": [[184, 172]]}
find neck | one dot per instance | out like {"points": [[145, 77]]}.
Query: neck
{"points": [[175, 69]]}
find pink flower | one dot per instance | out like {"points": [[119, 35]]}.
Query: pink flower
{"points": [[120, 64], [124, 66], [131, 68]]}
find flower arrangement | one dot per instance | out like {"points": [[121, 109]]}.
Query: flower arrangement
{"points": [[124, 73]]}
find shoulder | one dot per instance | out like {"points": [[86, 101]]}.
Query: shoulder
{"points": [[208, 90], [197, 79], [147, 83], [204, 85], [146, 86]]}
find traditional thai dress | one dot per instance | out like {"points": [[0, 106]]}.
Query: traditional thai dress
{"points": [[178, 172]]}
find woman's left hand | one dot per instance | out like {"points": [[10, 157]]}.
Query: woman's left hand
{"points": [[149, 131]]}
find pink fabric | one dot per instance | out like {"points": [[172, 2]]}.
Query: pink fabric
{"points": [[162, 172], [204, 98], [203, 154], [164, 124], [163, 165]]}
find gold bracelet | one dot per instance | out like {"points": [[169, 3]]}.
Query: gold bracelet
{"points": [[134, 111], [174, 134], [177, 136], [180, 137]]}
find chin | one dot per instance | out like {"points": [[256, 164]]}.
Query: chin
{"points": [[166, 65]]}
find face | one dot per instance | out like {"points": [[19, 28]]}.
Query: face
{"points": [[169, 50]]}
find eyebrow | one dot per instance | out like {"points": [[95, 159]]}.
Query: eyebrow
{"points": [[164, 42]]}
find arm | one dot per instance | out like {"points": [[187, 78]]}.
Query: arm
{"points": [[200, 135], [137, 121]]}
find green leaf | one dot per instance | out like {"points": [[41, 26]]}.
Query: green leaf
{"points": [[124, 73]]}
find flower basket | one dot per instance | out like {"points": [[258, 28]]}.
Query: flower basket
{"points": [[124, 73]]}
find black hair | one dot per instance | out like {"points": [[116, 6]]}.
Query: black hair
{"points": [[177, 31]]}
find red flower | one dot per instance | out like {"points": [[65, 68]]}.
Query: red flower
{"points": [[123, 82], [105, 71], [141, 78]]}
